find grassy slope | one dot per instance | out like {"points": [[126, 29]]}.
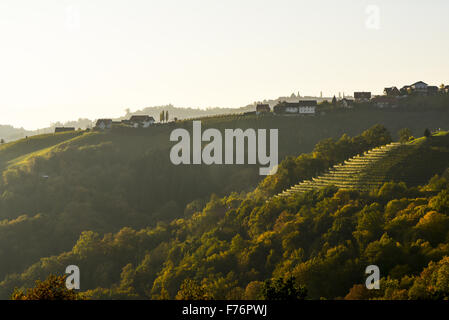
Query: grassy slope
{"points": [[421, 160], [296, 134], [14, 152]]}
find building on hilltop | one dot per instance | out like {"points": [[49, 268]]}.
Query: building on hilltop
{"points": [[419, 87], [406, 90], [392, 91], [262, 108], [362, 96], [385, 101], [64, 129], [142, 121], [432, 90], [302, 107]]}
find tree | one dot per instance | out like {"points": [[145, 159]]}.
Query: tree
{"points": [[162, 116], [283, 289], [53, 288], [433, 227], [404, 135], [334, 101], [359, 292], [191, 290], [253, 290], [2, 141], [427, 133], [166, 116]]}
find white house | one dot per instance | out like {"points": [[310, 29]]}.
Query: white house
{"points": [[143, 121], [303, 107], [307, 110], [291, 109], [420, 87]]}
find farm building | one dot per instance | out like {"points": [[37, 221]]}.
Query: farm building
{"points": [[143, 121], [64, 129], [362, 96], [262, 108], [303, 107]]}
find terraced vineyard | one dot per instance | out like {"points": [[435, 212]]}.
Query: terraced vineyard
{"points": [[362, 172]]}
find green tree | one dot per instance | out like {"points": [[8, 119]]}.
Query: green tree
{"points": [[166, 116], [191, 290], [53, 288], [376, 135], [162, 116], [427, 133], [253, 290], [283, 289], [404, 135]]}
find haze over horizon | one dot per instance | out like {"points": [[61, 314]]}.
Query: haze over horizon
{"points": [[64, 60]]}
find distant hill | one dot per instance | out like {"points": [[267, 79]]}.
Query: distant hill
{"points": [[185, 113], [9, 133]]}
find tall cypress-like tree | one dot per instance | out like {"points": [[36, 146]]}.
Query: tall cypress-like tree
{"points": [[334, 101]]}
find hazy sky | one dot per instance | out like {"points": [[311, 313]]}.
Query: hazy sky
{"points": [[62, 60]]}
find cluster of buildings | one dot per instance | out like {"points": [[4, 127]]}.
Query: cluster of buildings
{"points": [[64, 129], [139, 121], [302, 107], [388, 99], [392, 94], [418, 88]]}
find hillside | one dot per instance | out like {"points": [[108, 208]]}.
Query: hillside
{"points": [[58, 187], [232, 244], [407, 162], [17, 151]]}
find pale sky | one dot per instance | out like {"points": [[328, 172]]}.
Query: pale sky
{"points": [[65, 59]]}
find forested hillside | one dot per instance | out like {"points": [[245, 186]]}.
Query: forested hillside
{"points": [[138, 226], [234, 243]]}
